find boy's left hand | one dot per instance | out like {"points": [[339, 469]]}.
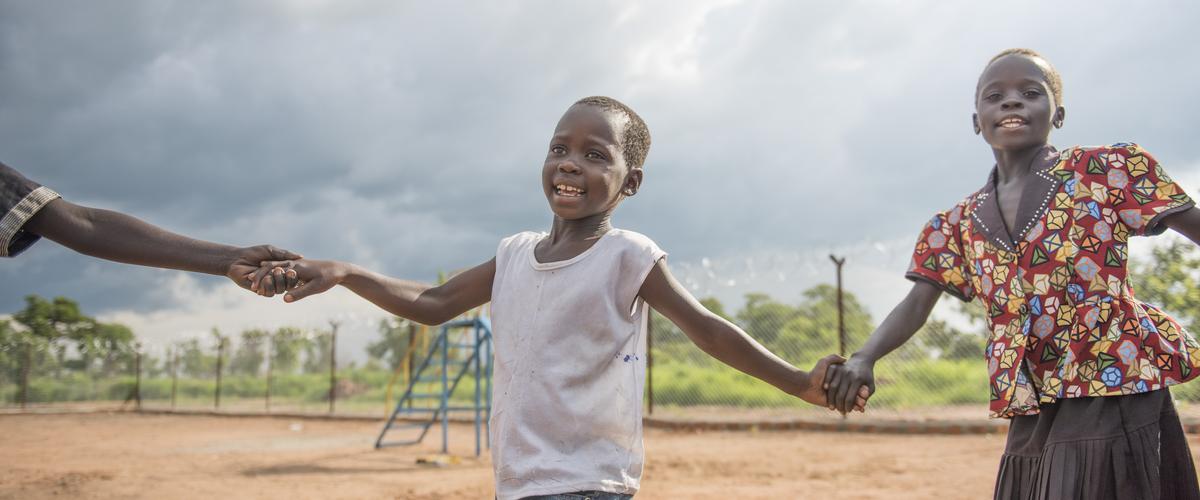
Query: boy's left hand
{"points": [[250, 258], [814, 392]]}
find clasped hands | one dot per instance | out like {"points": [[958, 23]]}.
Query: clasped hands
{"points": [[847, 386]]}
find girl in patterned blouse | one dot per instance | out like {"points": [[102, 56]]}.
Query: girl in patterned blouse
{"points": [[1075, 360]]}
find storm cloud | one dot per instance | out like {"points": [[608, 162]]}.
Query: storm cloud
{"points": [[408, 137]]}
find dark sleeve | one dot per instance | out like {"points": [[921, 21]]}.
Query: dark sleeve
{"points": [[20, 199]]}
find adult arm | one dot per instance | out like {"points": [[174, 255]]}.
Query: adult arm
{"points": [[420, 302], [728, 343], [847, 381], [119, 237]]}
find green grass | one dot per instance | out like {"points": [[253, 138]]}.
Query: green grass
{"points": [[901, 384]]}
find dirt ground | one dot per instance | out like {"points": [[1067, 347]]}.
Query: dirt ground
{"points": [[125, 455]]}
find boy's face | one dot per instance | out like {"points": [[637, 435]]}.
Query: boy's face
{"points": [[1014, 105], [585, 171]]}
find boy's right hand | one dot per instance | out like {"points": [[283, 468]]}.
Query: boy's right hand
{"points": [[850, 384], [298, 278]]}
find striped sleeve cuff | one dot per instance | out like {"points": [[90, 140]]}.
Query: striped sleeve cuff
{"points": [[12, 239]]}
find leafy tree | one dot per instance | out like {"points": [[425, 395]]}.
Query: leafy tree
{"points": [[196, 360], [762, 317], [54, 321], [812, 331], [392, 346], [60, 324], [1169, 280], [316, 352], [249, 356], [113, 344], [286, 345]]}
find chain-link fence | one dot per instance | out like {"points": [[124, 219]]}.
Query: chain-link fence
{"points": [[50, 354], [54, 362], [940, 373]]}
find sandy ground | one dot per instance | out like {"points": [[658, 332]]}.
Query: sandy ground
{"points": [[124, 455]]}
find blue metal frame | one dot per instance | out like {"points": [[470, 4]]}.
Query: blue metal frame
{"points": [[480, 356]]}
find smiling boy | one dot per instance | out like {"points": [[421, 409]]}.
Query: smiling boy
{"points": [[569, 312]]}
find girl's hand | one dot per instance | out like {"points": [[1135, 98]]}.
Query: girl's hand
{"points": [[814, 391], [850, 383], [299, 278]]}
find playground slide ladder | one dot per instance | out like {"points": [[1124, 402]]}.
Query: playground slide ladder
{"points": [[462, 349]]}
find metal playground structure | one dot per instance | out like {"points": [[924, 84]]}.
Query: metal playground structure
{"points": [[461, 350]]}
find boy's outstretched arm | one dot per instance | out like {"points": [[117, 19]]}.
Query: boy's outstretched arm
{"points": [[420, 302], [847, 381], [728, 343], [122, 238]]}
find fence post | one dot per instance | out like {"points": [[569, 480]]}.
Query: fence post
{"points": [[333, 364], [220, 353], [27, 361], [841, 311], [174, 375], [411, 355], [137, 380], [650, 360], [270, 347]]}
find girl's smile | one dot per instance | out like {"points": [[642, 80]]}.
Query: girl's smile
{"points": [[1015, 106]]}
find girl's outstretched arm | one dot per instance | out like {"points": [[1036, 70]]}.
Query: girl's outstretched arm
{"points": [[420, 302], [845, 382], [1186, 223], [728, 343]]}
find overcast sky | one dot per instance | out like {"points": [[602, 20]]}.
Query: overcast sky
{"points": [[409, 137]]}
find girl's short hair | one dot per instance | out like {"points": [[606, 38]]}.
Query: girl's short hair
{"points": [[1053, 79]]}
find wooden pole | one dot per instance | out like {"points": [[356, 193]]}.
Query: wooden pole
{"points": [[270, 347], [25, 367], [333, 364], [649, 360], [410, 355], [137, 380], [840, 308], [220, 354], [174, 375]]}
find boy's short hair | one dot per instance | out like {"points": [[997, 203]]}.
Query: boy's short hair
{"points": [[1053, 79], [635, 139]]}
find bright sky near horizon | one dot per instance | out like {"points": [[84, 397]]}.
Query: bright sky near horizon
{"points": [[408, 137]]}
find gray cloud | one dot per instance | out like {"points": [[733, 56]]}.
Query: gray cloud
{"points": [[408, 137]]}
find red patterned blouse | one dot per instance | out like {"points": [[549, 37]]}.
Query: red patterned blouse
{"points": [[1063, 319]]}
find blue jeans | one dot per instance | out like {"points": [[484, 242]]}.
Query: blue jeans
{"points": [[583, 495]]}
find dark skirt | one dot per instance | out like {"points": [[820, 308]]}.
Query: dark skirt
{"points": [[1116, 447]]}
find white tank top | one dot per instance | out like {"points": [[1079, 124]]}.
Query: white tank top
{"points": [[570, 366]]}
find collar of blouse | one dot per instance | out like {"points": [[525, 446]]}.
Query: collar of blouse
{"points": [[1038, 194]]}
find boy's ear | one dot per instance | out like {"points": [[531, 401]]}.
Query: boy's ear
{"points": [[975, 123], [1060, 115], [633, 182]]}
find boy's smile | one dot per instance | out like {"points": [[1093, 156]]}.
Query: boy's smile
{"points": [[585, 172], [1015, 106]]}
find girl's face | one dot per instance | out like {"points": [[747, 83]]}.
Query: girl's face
{"points": [[585, 171], [1014, 106]]}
